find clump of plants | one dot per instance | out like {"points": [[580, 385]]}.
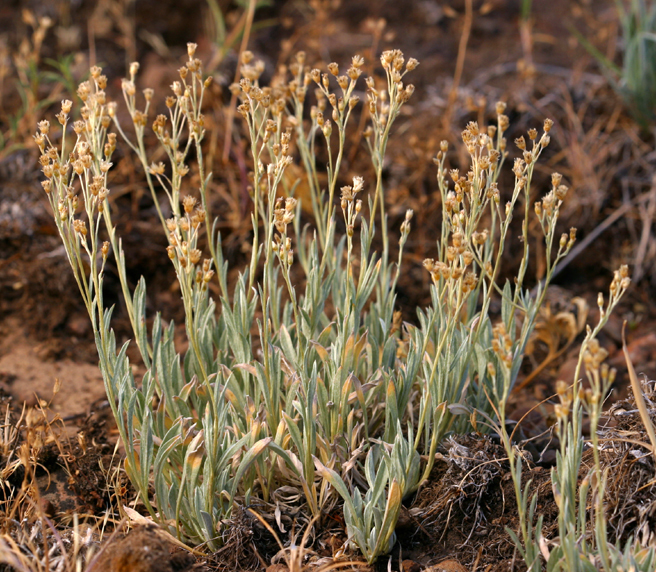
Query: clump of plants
{"points": [[635, 79], [301, 374]]}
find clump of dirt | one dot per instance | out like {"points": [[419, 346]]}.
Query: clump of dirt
{"points": [[144, 549], [96, 478], [280, 531], [630, 497], [463, 511]]}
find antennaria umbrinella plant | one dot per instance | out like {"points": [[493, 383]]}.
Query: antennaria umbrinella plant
{"points": [[313, 384]]}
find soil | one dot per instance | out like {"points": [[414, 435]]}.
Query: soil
{"points": [[47, 354]]}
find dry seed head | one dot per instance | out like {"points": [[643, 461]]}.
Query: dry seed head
{"points": [[51, 152], [358, 184], [188, 203], [327, 129], [157, 169], [44, 126], [176, 87], [354, 73], [134, 68], [561, 388], [500, 107], [128, 87], [548, 124], [386, 58], [40, 140], [561, 411], [561, 192], [357, 61], [480, 237], [80, 227], [333, 68], [139, 119], [198, 217], [244, 109], [521, 143], [191, 49], [518, 167], [412, 64], [407, 93], [555, 179], [83, 91], [532, 134], [469, 282], [66, 105], [195, 255], [538, 209]]}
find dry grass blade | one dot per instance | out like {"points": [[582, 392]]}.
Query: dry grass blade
{"points": [[637, 394]]}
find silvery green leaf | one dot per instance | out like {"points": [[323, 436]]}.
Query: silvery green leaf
{"points": [[458, 409]]}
